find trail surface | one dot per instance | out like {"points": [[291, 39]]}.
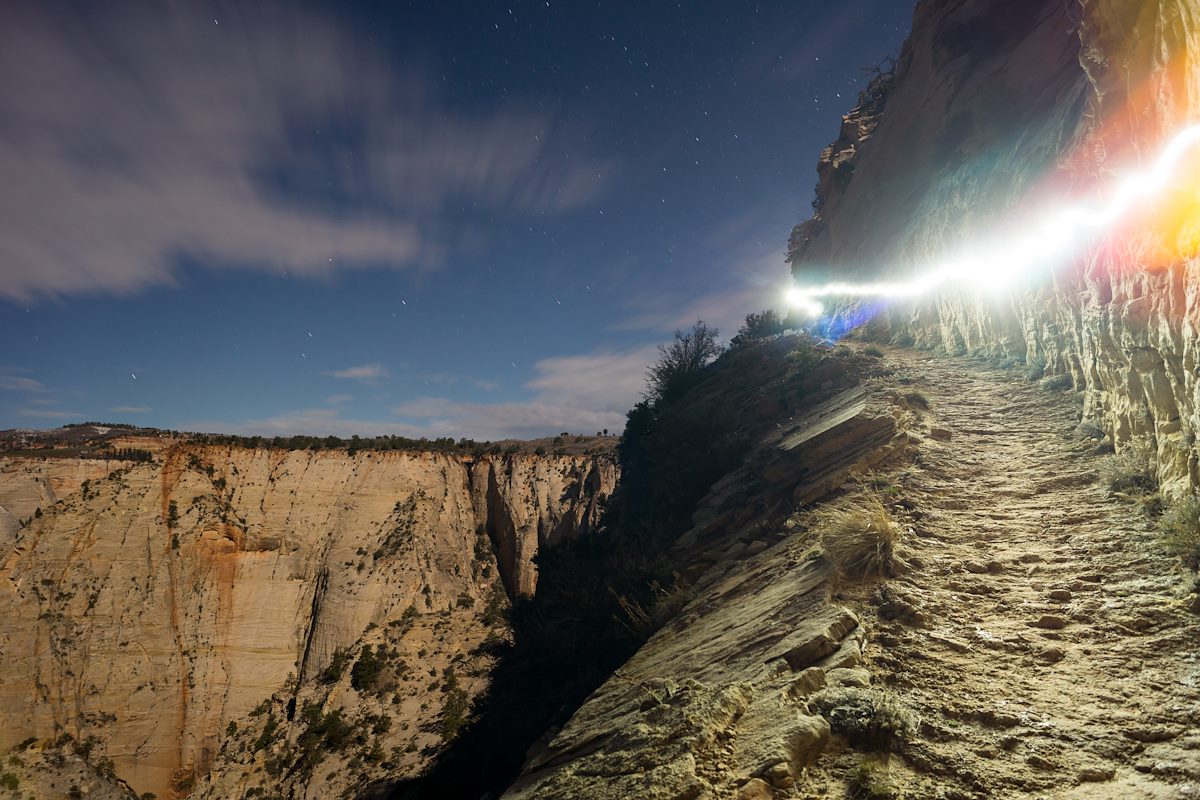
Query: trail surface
{"points": [[1042, 633]]}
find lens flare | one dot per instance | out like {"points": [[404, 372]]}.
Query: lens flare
{"points": [[1002, 261]]}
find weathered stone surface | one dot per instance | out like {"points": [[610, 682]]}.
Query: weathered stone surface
{"points": [[859, 678], [830, 631], [800, 461]]}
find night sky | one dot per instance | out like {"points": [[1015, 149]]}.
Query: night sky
{"points": [[464, 219]]}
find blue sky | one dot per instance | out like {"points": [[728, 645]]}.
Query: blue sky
{"points": [[466, 219]]}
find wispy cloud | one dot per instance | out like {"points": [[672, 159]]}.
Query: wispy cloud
{"points": [[363, 372], [608, 381], [267, 138], [130, 409], [14, 383], [338, 399], [455, 379], [580, 393], [45, 413]]}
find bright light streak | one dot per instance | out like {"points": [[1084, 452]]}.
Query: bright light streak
{"points": [[998, 263]]}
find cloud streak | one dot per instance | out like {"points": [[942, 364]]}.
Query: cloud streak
{"points": [[580, 394], [363, 372], [137, 137], [45, 413], [14, 383]]}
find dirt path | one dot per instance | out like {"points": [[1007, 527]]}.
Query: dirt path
{"points": [[1042, 632]]}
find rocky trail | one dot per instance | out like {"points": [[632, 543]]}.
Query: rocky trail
{"points": [[1041, 631]]}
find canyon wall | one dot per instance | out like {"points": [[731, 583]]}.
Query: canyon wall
{"points": [[152, 607], [995, 112]]}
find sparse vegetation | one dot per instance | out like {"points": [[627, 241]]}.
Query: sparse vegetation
{"points": [[873, 350], [666, 603], [365, 672], [869, 719], [322, 733], [681, 363], [867, 781], [759, 326], [1128, 472], [336, 667], [356, 444], [1180, 531], [1058, 383], [861, 540]]}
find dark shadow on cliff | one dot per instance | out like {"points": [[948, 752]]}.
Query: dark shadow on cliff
{"points": [[599, 598]]}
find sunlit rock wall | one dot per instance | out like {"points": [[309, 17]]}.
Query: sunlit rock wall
{"points": [[152, 607], [999, 109]]}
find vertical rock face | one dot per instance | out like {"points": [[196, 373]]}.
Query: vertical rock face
{"points": [[530, 503], [995, 109], [154, 606], [27, 484]]}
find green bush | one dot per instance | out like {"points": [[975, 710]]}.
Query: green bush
{"points": [[758, 326], [336, 668], [681, 363], [365, 671], [322, 733], [454, 713]]}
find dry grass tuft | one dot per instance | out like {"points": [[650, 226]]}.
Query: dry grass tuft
{"points": [[1128, 472], [1180, 531], [861, 541], [868, 781]]}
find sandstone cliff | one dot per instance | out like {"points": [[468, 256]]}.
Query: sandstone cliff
{"points": [[149, 611], [996, 108]]}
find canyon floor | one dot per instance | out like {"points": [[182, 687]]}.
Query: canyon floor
{"points": [[1042, 633]]}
